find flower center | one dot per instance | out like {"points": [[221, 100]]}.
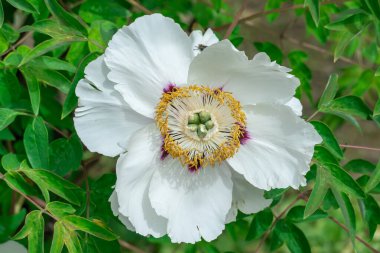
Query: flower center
{"points": [[200, 126]]}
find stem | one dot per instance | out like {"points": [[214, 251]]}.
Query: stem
{"points": [[236, 19], [356, 237], [359, 147]]}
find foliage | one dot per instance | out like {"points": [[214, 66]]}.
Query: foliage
{"points": [[55, 193]]}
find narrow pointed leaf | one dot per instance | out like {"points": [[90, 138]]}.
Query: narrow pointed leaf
{"points": [[23, 5], [59, 186], [374, 180], [342, 181], [58, 238], [90, 227], [314, 9], [33, 89], [318, 194], [47, 46], [348, 213], [71, 101], [1, 15], [329, 141], [7, 116], [34, 229], [36, 144], [330, 91], [64, 17]]}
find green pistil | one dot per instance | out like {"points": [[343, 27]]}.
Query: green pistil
{"points": [[200, 122], [204, 116], [202, 131]]}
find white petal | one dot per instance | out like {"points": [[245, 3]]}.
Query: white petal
{"points": [[12, 247], [248, 198], [115, 210], [198, 39], [195, 203], [295, 105], [134, 172], [251, 81], [103, 119], [280, 149], [245, 197], [146, 56]]}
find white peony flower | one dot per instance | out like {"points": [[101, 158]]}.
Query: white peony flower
{"points": [[201, 130]]}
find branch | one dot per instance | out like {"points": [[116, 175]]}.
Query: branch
{"points": [[359, 147], [356, 237], [236, 19]]}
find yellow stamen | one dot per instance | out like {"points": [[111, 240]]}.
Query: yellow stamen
{"points": [[190, 156]]}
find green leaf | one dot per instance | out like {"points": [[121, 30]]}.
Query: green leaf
{"points": [[23, 5], [114, 11], [374, 6], [364, 83], [260, 223], [351, 20], [322, 156], [348, 213], [1, 15], [296, 215], [100, 33], [273, 51], [53, 78], [59, 186], [9, 224], [34, 230], [33, 89], [376, 113], [91, 227], [11, 161], [58, 238], [330, 91], [371, 214], [314, 9], [15, 181], [7, 116], [52, 28], [37, 144], [360, 166], [72, 242], [60, 209], [374, 180], [47, 46], [345, 39], [329, 141], [341, 180], [71, 101], [347, 107], [293, 237], [65, 155], [318, 193], [64, 17], [47, 62]]}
